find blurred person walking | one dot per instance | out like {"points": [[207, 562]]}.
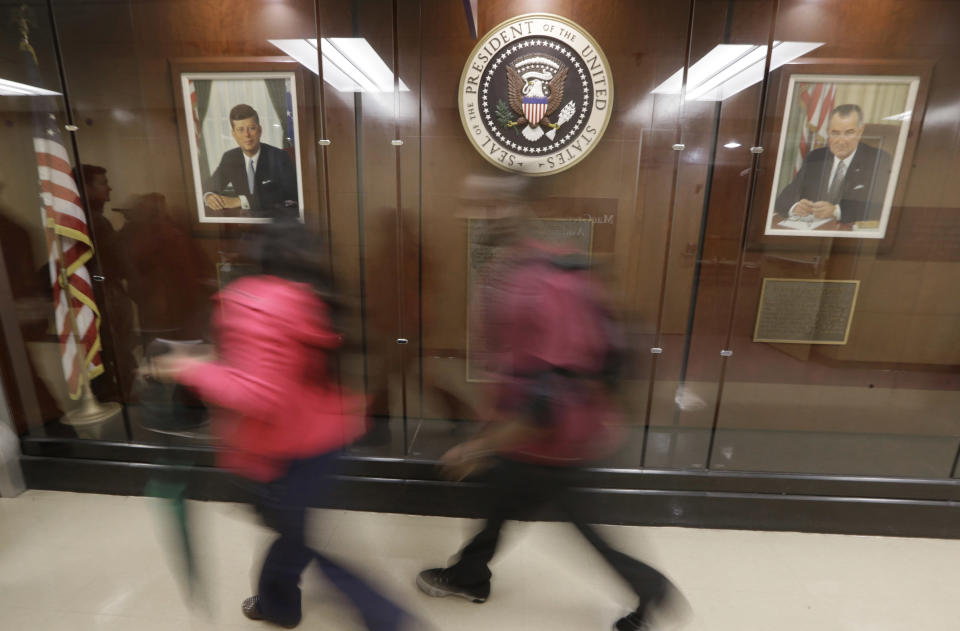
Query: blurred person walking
{"points": [[555, 354], [283, 421]]}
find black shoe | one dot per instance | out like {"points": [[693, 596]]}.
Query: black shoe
{"points": [[251, 609], [633, 621], [668, 601], [437, 583]]}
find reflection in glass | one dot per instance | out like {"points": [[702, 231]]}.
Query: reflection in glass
{"points": [[731, 68], [350, 64]]}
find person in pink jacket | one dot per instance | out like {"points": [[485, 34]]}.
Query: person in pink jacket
{"points": [[281, 418]]}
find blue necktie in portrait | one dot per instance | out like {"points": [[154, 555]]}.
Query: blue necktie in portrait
{"points": [[250, 175]]}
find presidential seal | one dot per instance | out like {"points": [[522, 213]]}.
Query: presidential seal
{"points": [[536, 94]]}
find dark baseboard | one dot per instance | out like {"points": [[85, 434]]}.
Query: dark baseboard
{"points": [[699, 499]]}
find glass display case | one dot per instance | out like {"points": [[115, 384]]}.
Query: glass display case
{"points": [[770, 204]]}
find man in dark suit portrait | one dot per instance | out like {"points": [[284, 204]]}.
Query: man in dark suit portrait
{"points": [[845, 181], [255, 179]]}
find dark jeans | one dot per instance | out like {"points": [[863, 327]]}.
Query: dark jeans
{"points": [[283, 506], [519, 487]]}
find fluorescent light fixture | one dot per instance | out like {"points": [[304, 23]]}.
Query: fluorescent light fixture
{"points": [[733, 144], [12, 88], [349, 63], [731, 68]]}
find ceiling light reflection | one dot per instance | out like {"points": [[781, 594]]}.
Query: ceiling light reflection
{"points": [[12, 88], [350, 64], [731, 68]]}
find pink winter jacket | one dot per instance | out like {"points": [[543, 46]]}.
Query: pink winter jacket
{"points": [[275, 401]]}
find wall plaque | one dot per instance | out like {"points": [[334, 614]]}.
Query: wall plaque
{"points": [[536, 94], [805, 311]]}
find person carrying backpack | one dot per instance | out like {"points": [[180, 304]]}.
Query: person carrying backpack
{"points": [[556, 354]]}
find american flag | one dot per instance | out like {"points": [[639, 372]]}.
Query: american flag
{"points": [[69, 248], [196, 114], [818, 99], [197, 131]]}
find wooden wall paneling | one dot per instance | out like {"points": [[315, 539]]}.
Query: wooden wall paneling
{"points": [[447, 158], [341, 115], [643, 42], [116, 58], [899, 332], [711, 203], [408, 50], [152, 34], [631, 44], [377, 174]]}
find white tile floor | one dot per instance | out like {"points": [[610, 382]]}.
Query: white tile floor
{"points": [[95, 562]]}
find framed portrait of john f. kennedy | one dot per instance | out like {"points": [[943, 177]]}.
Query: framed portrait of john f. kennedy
{"points": [[243, 141], [843, 140]]}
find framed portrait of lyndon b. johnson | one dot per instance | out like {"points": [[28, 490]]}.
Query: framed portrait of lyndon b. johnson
{"points": [[243, 139], [843, 140]]}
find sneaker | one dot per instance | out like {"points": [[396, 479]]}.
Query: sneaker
{"points": [[633, 621], [437, 583], [670, 604], [251, 609]]}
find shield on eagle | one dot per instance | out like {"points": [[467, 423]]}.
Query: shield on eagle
{"points": [[534, 107]]}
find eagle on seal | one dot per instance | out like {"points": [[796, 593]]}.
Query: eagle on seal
{"points": [[535, 90]]}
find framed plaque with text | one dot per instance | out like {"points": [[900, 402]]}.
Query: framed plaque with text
{"points": [[805, 311]]}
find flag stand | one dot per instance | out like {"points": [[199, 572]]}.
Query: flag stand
{"points": [[90, 411]]}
